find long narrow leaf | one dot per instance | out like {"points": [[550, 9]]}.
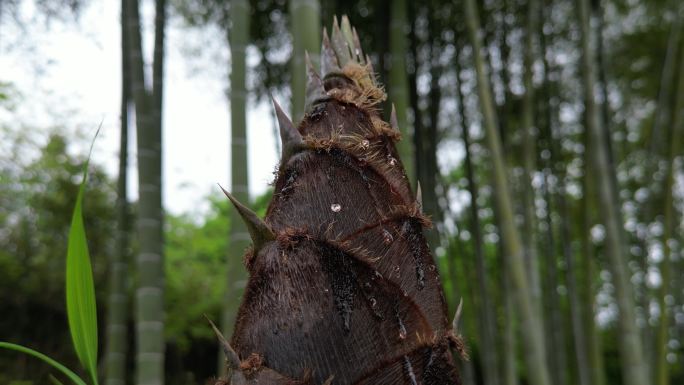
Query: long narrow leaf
{"points": [[54, 380], [72, 376], [80, 290]]}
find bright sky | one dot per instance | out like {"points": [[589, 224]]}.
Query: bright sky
{"points": [[68, 74]]}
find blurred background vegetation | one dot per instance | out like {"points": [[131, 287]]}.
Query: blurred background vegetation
{"points": [[585, 98]]}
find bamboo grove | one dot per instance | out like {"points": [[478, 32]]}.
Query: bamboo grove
{"points": [[547, 138]]}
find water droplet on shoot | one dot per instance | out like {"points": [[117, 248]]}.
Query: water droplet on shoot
{"points": [[402, 328], [387, 236], [335, 207]]}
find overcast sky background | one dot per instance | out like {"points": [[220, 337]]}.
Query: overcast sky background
{"points": [[69, 74]]}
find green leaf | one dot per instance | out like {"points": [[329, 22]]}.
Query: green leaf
{"points": [[72, 376], [80, 290], [54, 380]]}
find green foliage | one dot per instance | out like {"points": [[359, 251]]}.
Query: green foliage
{"points": [[80, 290], [7, 95], [72, 376], [40, 187], [195, 266], [55, 381], [261, 203]]}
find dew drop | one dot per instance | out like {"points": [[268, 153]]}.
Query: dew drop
{"points": [[387, 236], [400, 322], [335, 207]]}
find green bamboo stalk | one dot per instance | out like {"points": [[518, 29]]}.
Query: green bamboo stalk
{"points": [[149, 307], [528, 155], [158, 66], [554, 320], [117, 300], [486, 312], [463, 285], [606, 123], [663, 115], [556, 343], [633, 365], [662, 335], [398, 82], [588, 269], [509, 343], [508, 340], [557, 168], [239, 238], [305, 27], [530, 322]]}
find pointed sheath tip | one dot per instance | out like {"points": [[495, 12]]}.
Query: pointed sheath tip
{"points": [[347, 32], [309, 64], [291, 138], [314, 86], [357, 47], [231, 357], [283, 120], [329, 62], [371, 71], [335, 33], [419, 199], [258, 230], [457, 317], [340, 45], [326, 39], [326, 46], [312, 75], [393, 119]]}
